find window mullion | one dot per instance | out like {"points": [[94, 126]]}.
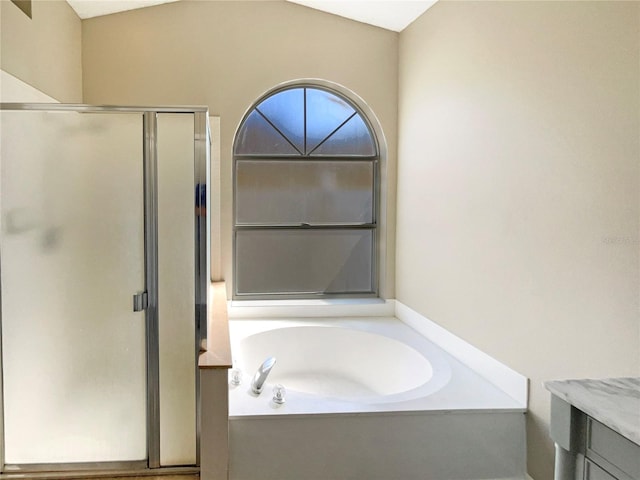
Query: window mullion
{"points": [[306, 226], [305, 121]]}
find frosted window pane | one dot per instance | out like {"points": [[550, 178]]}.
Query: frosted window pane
{"points": [[304, 261], [316, 192], [353, 138], [286, 111], [176, 277], [258, 137], [325, 113], [73, 351]]}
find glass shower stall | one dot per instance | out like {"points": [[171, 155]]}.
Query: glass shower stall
{"points": [[104, 275]]}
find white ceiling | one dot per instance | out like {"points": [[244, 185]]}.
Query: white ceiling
{"points": [[393, 15], [390, 14], [97, 8]]}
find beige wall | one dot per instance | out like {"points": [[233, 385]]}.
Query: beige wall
{"points": [[518, 187], [225, 55], [43, 51]]}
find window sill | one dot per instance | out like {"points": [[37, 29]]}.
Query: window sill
{"points": [[334, 307]]}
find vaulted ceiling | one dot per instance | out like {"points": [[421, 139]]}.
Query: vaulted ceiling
{"points": [[389, 14]]}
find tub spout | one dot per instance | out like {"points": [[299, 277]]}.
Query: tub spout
{"points": [[261, 375]]}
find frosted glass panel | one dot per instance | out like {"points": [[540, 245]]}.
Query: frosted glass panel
{"points": [[286, 111], [293, 192], [73, 351], [258, 137], [304, 261], [176, 284], [353, 138], [325, 113]]}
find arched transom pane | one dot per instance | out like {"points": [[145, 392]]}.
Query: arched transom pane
{"points": [[305, 121]]}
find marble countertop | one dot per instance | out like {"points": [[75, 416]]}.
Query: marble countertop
{"points": [[615, 402]]}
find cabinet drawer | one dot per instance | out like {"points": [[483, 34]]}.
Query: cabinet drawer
{"points": [[613, 447], [594, 472]]}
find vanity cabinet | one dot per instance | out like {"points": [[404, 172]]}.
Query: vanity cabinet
{"points": [[611, 451], [586, 447], [594, 472]]}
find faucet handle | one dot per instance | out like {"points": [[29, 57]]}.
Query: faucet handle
{"points": [[279, 393], [236, 376]]}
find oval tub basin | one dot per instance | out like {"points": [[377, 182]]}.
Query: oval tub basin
{"points": [[336, 362]]}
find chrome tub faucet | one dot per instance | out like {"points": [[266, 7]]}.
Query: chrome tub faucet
{"points": [[261, 375]]}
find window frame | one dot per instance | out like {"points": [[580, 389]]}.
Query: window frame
{"points": [[374, 226]]}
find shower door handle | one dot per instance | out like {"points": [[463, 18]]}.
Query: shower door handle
{"points": [[140, 301]]}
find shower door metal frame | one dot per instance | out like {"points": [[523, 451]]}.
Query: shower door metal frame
{"points": [[150, 158]]}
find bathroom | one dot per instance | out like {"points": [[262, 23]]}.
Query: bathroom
{"points": [[510, 214]]}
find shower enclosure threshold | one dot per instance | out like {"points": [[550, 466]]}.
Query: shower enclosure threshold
{"points": [[166, 473]]}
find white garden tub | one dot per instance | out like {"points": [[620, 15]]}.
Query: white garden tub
{"points": [[365, 398]]}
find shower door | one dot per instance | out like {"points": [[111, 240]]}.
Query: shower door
{"points": [[73, 255]]}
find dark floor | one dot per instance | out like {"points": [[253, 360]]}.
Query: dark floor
{"points": [[100, 476], [155, 477]]}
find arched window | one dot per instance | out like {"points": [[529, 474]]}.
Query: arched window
{"points": [[305, 197]]}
